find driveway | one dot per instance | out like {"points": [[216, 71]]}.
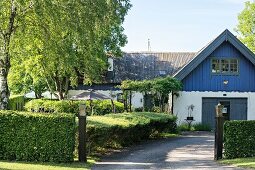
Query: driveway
{"points": [[190, 151]]}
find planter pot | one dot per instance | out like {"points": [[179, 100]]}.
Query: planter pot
{"points": [[190, 118]]}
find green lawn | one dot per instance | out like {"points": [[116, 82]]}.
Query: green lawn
{"points": [[240, 162], [16, 165]]}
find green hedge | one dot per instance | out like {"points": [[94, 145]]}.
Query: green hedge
{"points": [[100, 107], [16, 102], [239, 139], [37, 137], [118, 130]]}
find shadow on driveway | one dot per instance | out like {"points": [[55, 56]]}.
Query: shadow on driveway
{"points": [[190, 151]]}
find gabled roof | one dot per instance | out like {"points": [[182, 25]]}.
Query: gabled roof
{"points": [[147, 65], [208, 49]]}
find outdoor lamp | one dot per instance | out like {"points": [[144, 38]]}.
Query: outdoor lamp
{"points": [[219, 109], [82, 110], [225, 82]]}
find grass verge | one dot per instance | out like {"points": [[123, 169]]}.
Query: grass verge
{"points": [[240, 162], [18, 165]]}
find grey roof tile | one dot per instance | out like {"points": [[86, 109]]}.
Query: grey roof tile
{"points": [[147, 65]]}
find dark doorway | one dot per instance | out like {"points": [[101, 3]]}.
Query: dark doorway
{"points": [[234, 108]]}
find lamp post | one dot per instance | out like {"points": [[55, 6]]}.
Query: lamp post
{"points": [[218, 146], [82, 151]]}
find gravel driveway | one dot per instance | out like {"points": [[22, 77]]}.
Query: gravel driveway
{"points": [[190, 151]]}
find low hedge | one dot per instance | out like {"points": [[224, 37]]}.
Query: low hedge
{"points": [[239, 139], [118, 130], [37, 137], [100, 107], [16, 102]]}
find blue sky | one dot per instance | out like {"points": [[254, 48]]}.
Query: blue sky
{"points": [[178, 25]]}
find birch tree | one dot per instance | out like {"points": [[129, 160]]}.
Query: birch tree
{"points": [[63, 38]]}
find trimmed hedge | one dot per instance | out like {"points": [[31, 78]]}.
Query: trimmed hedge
{"points": [[16, 102], [37, 137], [100, 107], [118, 130], [239, 139]]}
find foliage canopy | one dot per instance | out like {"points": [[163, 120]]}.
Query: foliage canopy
{"points": [[60, 47], [246, 25]]}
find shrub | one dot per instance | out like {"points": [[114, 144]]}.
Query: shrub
{"points": [[156, 109], [16, 102], [118, 130], [239, 137], [139, 109], [201, 127], [184, 127], [37, 137], [100, 107], [194, 127]]}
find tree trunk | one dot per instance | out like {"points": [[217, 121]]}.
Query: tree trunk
{"points": [[4, 91], [144, 102], [5, 57], [161, 102], [38, 95], [66, 88], [60, 95], [4, 69]]}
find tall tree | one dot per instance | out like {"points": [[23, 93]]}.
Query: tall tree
{"points": [[11, 14], [79, 37], [246, 25], [24, 77], [65, 37]]}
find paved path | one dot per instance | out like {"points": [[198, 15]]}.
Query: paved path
{"points": [[191, 151]]}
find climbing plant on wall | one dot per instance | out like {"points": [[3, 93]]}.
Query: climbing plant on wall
{"points": [[159, 88]]}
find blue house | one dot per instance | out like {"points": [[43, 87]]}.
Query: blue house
{"points": [[222, 72]]}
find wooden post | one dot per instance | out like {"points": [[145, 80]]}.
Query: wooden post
{"points": [[125, 94], [113, 106], [218, 146], [130, 101], [91, 107], [82, 151]]}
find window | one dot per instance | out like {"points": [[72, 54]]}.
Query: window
{"points": [[215, 66], [233, 66], [224, 66]]}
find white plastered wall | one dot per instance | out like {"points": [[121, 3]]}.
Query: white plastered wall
{"points": [[137, 98], [181, 103]]}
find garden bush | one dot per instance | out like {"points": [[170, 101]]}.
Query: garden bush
{"points": [[194, 127], [201, 127], [100, 107], [139, 109], [16, 102], [37, 137], [239, 139], [118, 130]]}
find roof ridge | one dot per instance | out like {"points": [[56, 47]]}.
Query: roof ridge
{"points": [[153, 52], [226, 35]]}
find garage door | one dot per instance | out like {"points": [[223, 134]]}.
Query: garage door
{"points": [[235, 109]]}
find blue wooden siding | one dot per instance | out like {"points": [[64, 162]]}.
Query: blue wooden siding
{"points": [[201, 79]]}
